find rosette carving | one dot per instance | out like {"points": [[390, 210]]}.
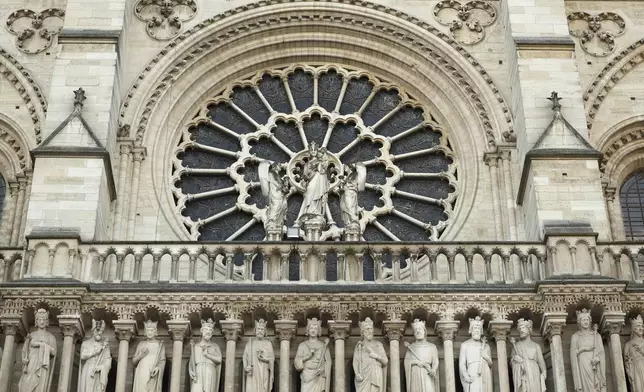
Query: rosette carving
{"points": [[466, 21], [35, 30], [165, 17], [597, 32]]}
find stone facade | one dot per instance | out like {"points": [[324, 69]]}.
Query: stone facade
{"points": [[100, 103]]}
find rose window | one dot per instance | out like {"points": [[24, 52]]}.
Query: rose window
{"points": [[315, 153]]}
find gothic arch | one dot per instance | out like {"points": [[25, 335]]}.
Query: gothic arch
{"points": [[619, 147]]}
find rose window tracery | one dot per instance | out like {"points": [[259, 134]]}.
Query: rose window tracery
{"points": [[314, 153]]}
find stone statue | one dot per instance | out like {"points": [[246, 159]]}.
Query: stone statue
{"points": [[313, 360], [205, 361], [276, 189], [316, 181], [259, 361], [421, 362], [475, 360], [369, 361], [351, 183], [38, 356], [634, 355], [528, 365], [587, 358], [149, 360], [95, 360]]}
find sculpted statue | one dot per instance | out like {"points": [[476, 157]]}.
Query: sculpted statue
{"points": [[205, 361], [95, 360], [528, 365], [316, 181], [276, 189], [38, 356], [421, 362], [149, 360], [475, 360], [313, 360], [634, 355], [259, 361], [369, 361], [587, 358], [351, 182]]}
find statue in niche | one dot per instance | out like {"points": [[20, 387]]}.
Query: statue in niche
{"points": [[38, 356], [259, 361], [351, 182], [369, 361], [204, 366], [528, 365], [315, 178], [475, 360], [313, 360], [587, 358], [634, 355], [95, 360], [421, 362], [149, 360], [276, 189]]}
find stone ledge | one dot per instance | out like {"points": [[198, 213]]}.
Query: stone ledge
{"points": [[544, 43], [54, 233], [567, 228]]}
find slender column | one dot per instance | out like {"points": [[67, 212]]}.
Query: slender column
{"points": [[447, 330], [552, 328], [72, 329], [124, 330], [12, 329], [124, 158], [25, 206], [512, 220], [394, 331], [138, 156], [500, 330], [10, 211], [127, 194], [609, 195], [179, 330], [17, 220], [612, 324], [339, 332], [285, 329], [231, 329], [492, 162]]}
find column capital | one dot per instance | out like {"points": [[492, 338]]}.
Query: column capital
{"points": [[553, 325], [231, 328], [178, 329], [285, 329], [72, 327], [124, 329], [13, 327], [612, 323], [500, 329], [339, 330], [491, 159], [139, 153], [447, 329], [394, 329]]}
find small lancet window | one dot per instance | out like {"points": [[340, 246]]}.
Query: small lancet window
{"points": [[631, 198]]}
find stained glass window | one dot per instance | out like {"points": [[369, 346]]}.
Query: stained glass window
{"points": [[631, 198]]}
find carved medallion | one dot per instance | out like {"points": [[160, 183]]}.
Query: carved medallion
{"points": [[35, 30], [597, 32], [165, 17], [466, 21]]}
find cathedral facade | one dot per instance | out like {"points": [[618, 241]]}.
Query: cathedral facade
{"points": [[321, 195]]}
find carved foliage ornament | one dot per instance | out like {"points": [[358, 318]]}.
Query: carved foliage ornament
{"points": [[165, 17], [35, 30], [597, 32], [466, 21]]}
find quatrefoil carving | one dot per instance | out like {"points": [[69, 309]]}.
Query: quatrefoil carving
{"points": [[164, 18], [466, 21], [597, 32], [35, 30]]}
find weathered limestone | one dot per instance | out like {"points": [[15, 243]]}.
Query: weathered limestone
{"points": [[339, 331], [231, 330], [258, 362], [72, 329], [285, 330], [179, 330], [612, 324], [12, 328], [500, 330], [124, 330], [394, 330], [447, 331], [552, 329]]}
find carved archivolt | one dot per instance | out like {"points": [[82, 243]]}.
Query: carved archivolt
{"points": [[596, 32], [35, 30], [466, 21], [164, 18]]}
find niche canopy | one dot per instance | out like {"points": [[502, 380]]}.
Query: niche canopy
{"points": [[289, 119]]}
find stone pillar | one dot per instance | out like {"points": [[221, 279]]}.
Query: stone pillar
{"points": [[17, 221], [124, 162], [612, 324], [138, 155], [509, 195], [72, 329], [231, 329], [492, 162], [552, 329], [285, 329], [179, 330], [447, 330], [9, 212], [12, 328], [500, 330], [124, 330], [339, 331], [395, 331]]}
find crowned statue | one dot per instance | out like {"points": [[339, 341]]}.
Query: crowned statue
{"points": [[421, 361], [204, 366], [95, 360], [38, 356], [475, 360], [259, 361], [149, 360], [587, 358], [634, 355], [369, 361], [313, 360], [528, 365]]}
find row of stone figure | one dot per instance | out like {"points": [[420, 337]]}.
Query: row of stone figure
{"points": [[313, 360]]}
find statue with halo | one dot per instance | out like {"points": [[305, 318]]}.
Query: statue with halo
{"points": [[475, 360], [258, 361], [38, 356], [369, 361], [95, 360], [149, 360], [421, 361]]}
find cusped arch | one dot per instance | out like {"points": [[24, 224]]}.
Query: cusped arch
{"points": [[621, 147]]}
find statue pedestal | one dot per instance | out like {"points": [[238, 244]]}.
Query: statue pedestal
{"points": [[352, 232], [313, 228], [274, 234]]}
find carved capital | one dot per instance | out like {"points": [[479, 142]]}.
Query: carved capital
{"points": [[124, 329], [339, 329], [491, 159], [285, 329], [612, 323], [13, 327], [500, 329], [394, 329], [553, 325], [178, 329], [231, 329], [71, 326], [447, 330]]}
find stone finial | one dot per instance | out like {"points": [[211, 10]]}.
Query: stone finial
{"points": [[554, 98], [79, 97]]}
